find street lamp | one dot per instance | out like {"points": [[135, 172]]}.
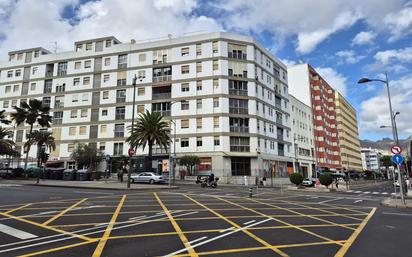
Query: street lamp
{"points": [[393, 116], [172, 160], [296, 153]]}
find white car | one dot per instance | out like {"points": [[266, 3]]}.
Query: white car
{"points": [[307, 182], [146, 177]]}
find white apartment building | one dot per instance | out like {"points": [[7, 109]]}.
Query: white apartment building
{"points": [[370, 159], [303, 137], [227, 95]]}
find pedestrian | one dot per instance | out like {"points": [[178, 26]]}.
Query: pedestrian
{"points": [[122, 172], [337, 184]]}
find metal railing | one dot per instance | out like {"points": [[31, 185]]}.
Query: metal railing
{"points": [[239, 129], [162, 78], [237, 92], [156, 96]]}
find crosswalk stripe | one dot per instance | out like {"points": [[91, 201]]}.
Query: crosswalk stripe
{"points": [[15, 232], [367, 192], [375, 193], [385, 193]]}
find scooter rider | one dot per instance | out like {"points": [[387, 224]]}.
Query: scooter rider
{"points": [[211, 177]]}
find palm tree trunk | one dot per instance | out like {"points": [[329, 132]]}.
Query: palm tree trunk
{"points": [[150, 143], [38, 163], [27, 154]]}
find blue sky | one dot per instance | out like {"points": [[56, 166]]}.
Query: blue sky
{"points": [[344, 40]]}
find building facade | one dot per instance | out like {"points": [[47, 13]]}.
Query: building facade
{"points": [[310, 88], [227, 95], [303, 139], [370, 159], [348, 134]]}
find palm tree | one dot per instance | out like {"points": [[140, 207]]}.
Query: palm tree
{"points": [[31, 113], [5, 144], [149, 129], [3, 118]]}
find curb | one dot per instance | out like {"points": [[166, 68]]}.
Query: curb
{"points": [[104, 188], [395, 205]]}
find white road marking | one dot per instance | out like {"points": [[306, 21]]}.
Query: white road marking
{"points": [[375, 193], [315, 197], [137, 217], [349, 191], [331, 200], [16, 232], [397, 213], [217, 237], [358, 192], [385, 193], [91, 192], [393, 194], [229, 194], [197, 240], [221, 231], [10, 185], [250, 221], [367, 192], [358, 201]]}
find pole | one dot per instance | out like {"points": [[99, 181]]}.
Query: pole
{"points": [[170, 156], [395, 137], [129, 172], [174, 151]]}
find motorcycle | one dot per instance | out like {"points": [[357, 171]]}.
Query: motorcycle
{"points": [[206, 183]]}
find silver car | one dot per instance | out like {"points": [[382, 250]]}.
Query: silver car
{"points": [[146, 177]]}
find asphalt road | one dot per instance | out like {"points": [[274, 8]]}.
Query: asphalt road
{"points": [[194, 222]]}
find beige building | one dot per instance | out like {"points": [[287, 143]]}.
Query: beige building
{"points": [[348, 134]]}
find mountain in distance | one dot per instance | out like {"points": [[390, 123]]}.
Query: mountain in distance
{"points": [[386, 143]]}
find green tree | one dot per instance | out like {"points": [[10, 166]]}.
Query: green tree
{"points": [[87, 156], [296, 178], [41, 138], [149, 129], [31, 113], [326, 179], [6, 145], [189, 161], [386, 161], [3, 118]]}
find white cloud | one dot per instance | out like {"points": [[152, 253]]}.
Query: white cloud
{"points": [[394, 55], [28, 25], [364, 37], [288, 63], [399, 23], [375, 111], [334, 79], [349, 56]]}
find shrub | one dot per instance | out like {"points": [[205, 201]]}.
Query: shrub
{"points": [[326, 179], [296, 178]]}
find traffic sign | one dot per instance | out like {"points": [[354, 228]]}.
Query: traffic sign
{"points": [[397, 159], [131, 152], [107, 157], [396, 149]]}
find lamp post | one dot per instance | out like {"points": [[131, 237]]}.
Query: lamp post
{"points": [[297, 166], [392, 116], [172, 159]]}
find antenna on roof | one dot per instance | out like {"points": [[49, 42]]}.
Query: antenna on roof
{"points": [[55, 47], [169, 36]]}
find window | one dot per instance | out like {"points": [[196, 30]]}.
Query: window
{"points": [[106, 78], [8, 89], [184, 105], [107, 61], [102, 146], [34, 70], [199, 85], [108, 43], [199, 104], [73, 114], [85, 97], [199, 142], [17, 73], [5, 104], [142, 74], [199, 123], [199, 67], [184, 123], [103, 129], [16, 88], [122, 61], [36, 54], [216, 141], [86, 80], [140, 108], [83, 113], [89, 46], [105, 94], [215, 47], [87, 64], [57, 117], [185, 51], [82, 130], [140, 91], [142, 57], [20, 56], [185, 69], [33, 86], [10, 74], [120, 113], [77, 65], [216, 122], [215, 83], [13, 103], [118, 149], [78, 47], [184, 142], [185, 87], [119, 130], [215, 64], [121, 96], [70, 147], [75, 98], [198, 49], [76, 81], [104, 112], [215, 102], [72, 131]]}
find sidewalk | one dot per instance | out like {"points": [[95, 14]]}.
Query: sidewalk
{"points": [[101, 184], [397, 203]]}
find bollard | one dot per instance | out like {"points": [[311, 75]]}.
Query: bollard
{"points": [[250, 192]]}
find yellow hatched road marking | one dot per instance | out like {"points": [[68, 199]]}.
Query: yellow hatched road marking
{"points": [[63, 212], [102, 242], [278, 220], [342, 251], [263, 242], [182, 236], [45, 226], [18, 208], [58, 248]]}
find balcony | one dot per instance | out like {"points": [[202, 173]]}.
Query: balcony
{"points": [[238, 110], [238, 129], [120, 99], [121, 82], [58, 105], [279, 121], [162, 92], [49, 73], [240, 148], [281, 152], [122, 65], [157, 96], [280, 136], [158, 150], [237, 92], [162, 78], [236, 55], [165, 113], [61, 73]]}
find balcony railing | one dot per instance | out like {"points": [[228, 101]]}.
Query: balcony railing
{"points": [[58, 105], [280, 136], [279, 121], [239, 129], [162, 78], [57, 121], [240, 56], [61, 73], [122, 65], [164, 113], [158, 150], [240, 148], [238, 110], [237, 92], [156, 96], [281, 152], [120, 116], [121, 82], [120, 99], [49, 73]]}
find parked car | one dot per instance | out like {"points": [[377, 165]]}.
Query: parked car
{"points": [[146, 177], [6, 173], [307, 182]]}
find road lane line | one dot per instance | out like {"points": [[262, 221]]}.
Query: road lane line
{"points": [[91, 192], [331, 200], [18, 208], [375, 193], [222, 231], [63, 212], [367, 192], [16, 232], [102, 242], [197, 240], [182, 236], [358, 201], [385, 193], [349, 191], [251, 221], [358, 192], [342, 251], [396, 213]]}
